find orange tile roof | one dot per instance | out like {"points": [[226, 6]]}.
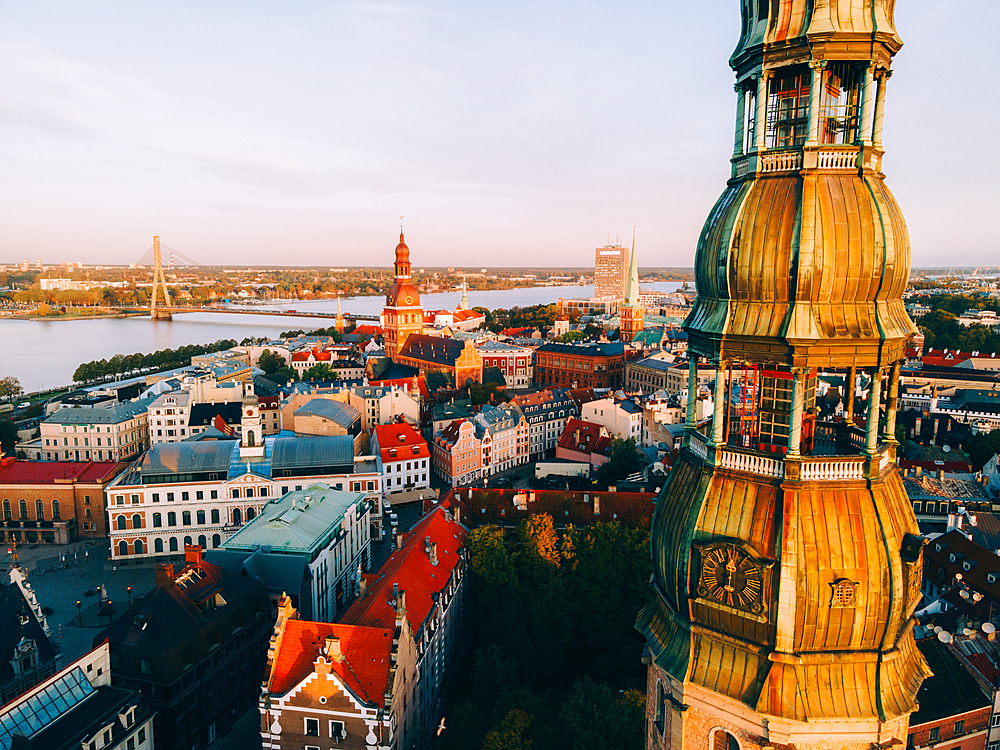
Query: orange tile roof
{"points": [[316, 354], [367, 330], [411, 568], [400, 435], [364, 670]]}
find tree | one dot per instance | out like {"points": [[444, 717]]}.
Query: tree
{"points": [[538, 538], [10, 388], [570, 336], [270, 362], [320, 371], [510, 734], [623, 462], [8, 437], [491, 561], [982, 448], [621, 722]]}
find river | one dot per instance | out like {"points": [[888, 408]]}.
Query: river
{"points": [[44, 354]]}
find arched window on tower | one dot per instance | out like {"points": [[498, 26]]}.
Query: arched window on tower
{"points": [[251, 439], [840, 104], [788, 107], [723, 740]]}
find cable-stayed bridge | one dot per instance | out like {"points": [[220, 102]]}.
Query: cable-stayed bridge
{"points": [[165, 309]]}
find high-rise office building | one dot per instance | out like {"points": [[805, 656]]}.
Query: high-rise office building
{"points": [[786, 555], [610, 271]]}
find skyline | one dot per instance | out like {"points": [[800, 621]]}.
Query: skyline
{"points": [[241, 135]]}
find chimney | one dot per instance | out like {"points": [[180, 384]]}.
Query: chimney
{"points": [[192, 554], [362, 587], [434, 553], [919, 471], [400, 606], [164, 575], [333, 649], [395, 592]]}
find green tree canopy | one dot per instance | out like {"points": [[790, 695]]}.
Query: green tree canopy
{"points": [[270, 362], [320, 371], [623, 462], [10, 387]]}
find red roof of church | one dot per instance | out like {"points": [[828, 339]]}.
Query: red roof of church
{"points": [[400, 435], [514, 331], [364, 670], [367, 330], [13, 471], [410, 567], [314, 353]]}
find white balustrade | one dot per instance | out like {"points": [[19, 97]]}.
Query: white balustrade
{"points": [[837, 159], [832, 470], [698, 448], [783, 161], [752, 463]]}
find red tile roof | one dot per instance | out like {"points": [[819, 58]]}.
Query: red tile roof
{"points": [[51, 472], [514, 331], [367, 330], [365, 666], [584, 437], [945, 358], [411, 568], [400, 435], [314, 353]]}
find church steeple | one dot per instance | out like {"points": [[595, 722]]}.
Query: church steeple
{"points": [[786, 555], [632, 311], [402, 314], [465, 293]]}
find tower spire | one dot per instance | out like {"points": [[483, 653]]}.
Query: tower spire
{"points": [[159, 283], [465, 293], [632, 286]]}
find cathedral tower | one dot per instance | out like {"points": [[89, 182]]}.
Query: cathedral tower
{"points": [[402, 314], [786, 557], [631, 311]]}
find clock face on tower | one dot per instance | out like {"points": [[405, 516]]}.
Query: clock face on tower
{"points": [[731, 576]]}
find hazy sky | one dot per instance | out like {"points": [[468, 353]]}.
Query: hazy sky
{"points": [[507, 133]]}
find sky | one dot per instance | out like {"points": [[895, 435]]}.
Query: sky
{"points": [[506, 134]]}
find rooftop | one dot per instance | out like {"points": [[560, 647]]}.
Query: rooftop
{"points": [[950, 690], [335, 411], [82, 415], [300, 522], [56, 472]]}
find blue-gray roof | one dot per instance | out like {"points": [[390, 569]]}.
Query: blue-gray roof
{"points": [[311, 452], [302, 522], [101, 414], [335, 411]]}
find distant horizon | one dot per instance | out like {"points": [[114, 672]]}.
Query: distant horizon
{"points": [[242, 133]]}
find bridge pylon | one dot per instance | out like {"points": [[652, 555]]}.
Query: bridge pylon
{"points": [[159, 282]]}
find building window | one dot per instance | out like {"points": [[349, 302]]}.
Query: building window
{"points": [[216, 540], [86, 512], [171, 519], [215, 515], [55, 510], [214, 494], [139, 547], [39, 510], [202, 542], [199, 495], [235, 492], [6, 509], [122, 548], [121, 523], [959, 727], [201, 518], [237, 517], [338, 732], [173, 544], [157, 521], [23, 507], [186, 518], [723, 740], [312, 728], [263, 492], [187, 541], [935, 731], [185, 496], [170, 497], [158, 545], [659, 720], [136, 521]]}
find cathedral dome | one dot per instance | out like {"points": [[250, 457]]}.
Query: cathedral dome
{"points": [[402, 251], [402, 292]]}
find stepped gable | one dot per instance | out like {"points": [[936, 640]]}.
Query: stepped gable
{"points": [[364, 669]]}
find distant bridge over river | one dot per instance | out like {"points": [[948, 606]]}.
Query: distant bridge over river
{"points": [[241, 311]]}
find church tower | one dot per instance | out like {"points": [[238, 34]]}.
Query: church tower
{"points": [[402, 314], [632, 310], [786, 557]]}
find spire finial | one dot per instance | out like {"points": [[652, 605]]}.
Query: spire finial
{"points": [[400, 228]]}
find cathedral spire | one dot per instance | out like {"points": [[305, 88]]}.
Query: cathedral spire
{"points": [[465, 293], [632, 285]]}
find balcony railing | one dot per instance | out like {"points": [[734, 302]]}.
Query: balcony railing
{"points": [[780, 161]]}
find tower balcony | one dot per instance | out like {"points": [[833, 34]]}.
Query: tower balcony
{"points": [[824, 157], [836, 456]]}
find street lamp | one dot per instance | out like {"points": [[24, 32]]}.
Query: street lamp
{"points": [[129, 590], [79, 613]]}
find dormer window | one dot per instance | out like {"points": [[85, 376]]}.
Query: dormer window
{"points": [[991, 577], [968, 565], [955, 556], [940, 546]]}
